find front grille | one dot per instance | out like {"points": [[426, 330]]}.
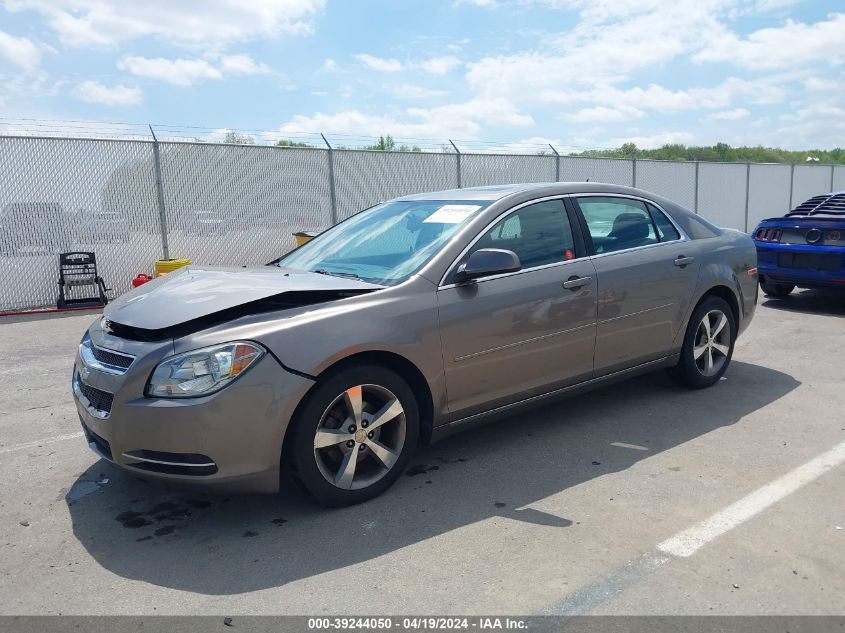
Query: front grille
{"points": [[114, 359], [99, 400]]}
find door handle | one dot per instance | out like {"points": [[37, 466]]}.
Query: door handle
{"points": [[573, 283], [683, 261]]}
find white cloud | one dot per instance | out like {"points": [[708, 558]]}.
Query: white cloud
{"points": [[817, 84], [816, 125], [206, 23], [434, 66], [18, 51], [411, 91], [793, 44], [460, 120], [730, 115], [95, 92], [651, 141], [186, 72], [179, 72], [330, 65], [440, 65], [603, 114], [379, 63], [611, 41], [495, 111], [539, 140], [531, 145], [765, 90], [596, 64], [242, 65]]}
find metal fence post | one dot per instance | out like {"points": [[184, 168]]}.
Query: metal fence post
{"points": [[458, 155], [557, 163], [331, 179], [747, 191], [162, 215], [832, 167], [791, 185], [634, 171], [695, 202]]}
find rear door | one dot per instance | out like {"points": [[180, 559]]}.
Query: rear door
{"points": [[510, 336], [646, 271]]}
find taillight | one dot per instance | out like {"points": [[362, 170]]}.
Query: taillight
{"points": [[768, 234]]}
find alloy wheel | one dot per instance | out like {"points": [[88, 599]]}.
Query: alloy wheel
{"points": [[360, 437], [712, 343]]}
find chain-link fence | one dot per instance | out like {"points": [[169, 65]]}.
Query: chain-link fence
{"points": [[135, 201]]}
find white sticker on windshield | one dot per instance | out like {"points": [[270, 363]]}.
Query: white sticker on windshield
{"points": [[452, 213]]}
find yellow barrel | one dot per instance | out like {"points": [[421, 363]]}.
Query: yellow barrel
{"points": [[304, 236], [164, 266]]}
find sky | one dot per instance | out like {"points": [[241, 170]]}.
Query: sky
{"points": [[498, 74]]}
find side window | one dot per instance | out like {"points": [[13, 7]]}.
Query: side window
{"points": [[665, 230], [616, 224], [539, 234]]}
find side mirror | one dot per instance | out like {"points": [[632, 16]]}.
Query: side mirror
{"points": [[487, 261]]}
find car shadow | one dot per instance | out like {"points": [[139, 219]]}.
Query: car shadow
{"points": [[221, 545], [818, 301]]}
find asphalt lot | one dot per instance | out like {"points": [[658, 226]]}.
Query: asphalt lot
{"points": [[584, 506]]}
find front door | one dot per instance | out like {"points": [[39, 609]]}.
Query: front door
{"points": [[510, 336]]}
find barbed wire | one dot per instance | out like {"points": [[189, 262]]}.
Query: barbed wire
{"points": [[168, 132]]}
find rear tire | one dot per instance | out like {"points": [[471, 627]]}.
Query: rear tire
{"points": [[708, 345], [353, 436], [776, 290]]}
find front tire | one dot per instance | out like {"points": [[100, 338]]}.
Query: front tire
{"points": [[776, 290], [708, 345], [354, 435]]}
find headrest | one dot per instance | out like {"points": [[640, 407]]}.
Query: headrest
{"points": [[630, 226]]}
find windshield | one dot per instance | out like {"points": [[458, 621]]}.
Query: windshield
{"points": [[385, 244]]}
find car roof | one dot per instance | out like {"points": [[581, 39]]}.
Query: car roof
{"points": [[693, 225], [496, 192]]}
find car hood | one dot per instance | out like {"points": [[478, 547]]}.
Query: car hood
{"points": [[201, 296]]}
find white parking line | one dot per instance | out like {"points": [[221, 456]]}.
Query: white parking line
{"points": [[686, 543], [689, 541], [37, 443]]}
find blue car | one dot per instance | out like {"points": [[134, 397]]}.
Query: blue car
{"points": [[804, 248]]}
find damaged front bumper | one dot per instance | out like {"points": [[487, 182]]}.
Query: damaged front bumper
{"points": [[229, 440]]}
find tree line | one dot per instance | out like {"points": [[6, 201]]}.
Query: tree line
{"points": [[721, 152]]}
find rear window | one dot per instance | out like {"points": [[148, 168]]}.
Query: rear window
{"points": [[665, 230], [697, 228]]}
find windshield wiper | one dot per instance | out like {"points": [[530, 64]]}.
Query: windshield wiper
{"points": [[334, 273]]}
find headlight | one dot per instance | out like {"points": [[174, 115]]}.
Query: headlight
{"points": [[202, 371]]}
